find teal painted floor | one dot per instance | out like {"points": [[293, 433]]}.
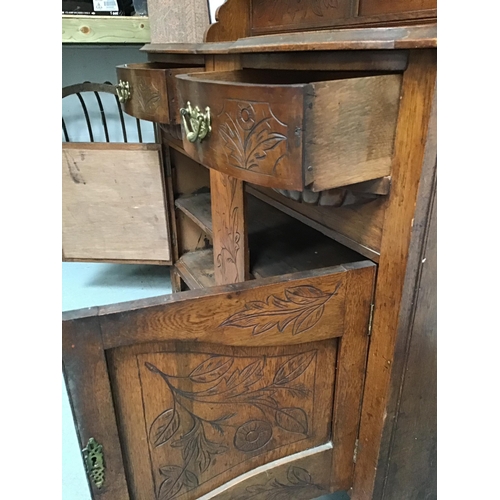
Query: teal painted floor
{"points": [[87, 285]]}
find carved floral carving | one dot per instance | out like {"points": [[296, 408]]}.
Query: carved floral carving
{"points": [[231, 389], [147, 95], [254, 139]]}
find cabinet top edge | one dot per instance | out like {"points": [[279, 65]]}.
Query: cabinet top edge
{"points": [[398, 37]]}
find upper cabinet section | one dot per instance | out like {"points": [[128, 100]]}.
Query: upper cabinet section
{"points": [[272, 16]]}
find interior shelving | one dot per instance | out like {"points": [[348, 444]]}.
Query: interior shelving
{"points": [[278, 244]]}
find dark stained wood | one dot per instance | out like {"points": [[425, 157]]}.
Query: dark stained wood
{"points": [[229, 227], [376, 38], [303, 477], [152, 90], [350, 377], [347, 60], [185, 316], [279, 407], [269, 128], [284, 15], [281, 245], [357, 227], [374, 7], [232, 22], [409, 155], [415, 342], [89, 392], [413, 421]]}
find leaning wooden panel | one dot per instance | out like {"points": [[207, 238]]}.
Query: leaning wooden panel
{"points": [[114, 203], [291, 309], [194, 416]]}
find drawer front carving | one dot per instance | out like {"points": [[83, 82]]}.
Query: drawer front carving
{"points": [[274, 131], [150, 92]]}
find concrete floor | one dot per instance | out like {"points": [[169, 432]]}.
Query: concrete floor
{"points": [[86, 285]]}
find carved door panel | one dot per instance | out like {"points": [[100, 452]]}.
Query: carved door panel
{"points": [[248, 391]]}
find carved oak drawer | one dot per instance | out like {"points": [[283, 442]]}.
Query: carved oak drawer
{"points": [[289, 130], [147, 91]]}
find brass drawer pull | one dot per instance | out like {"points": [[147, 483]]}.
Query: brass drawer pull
{"points": [[93, 457], [199, 125], [123, 91]]}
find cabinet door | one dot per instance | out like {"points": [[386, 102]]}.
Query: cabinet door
{"points": [[248, 391], [114, 203]]}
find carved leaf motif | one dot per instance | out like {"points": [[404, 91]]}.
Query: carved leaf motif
{"points": [[164, 427], [249, 134], [303, 308], [190, 480], [148, 96], [299, 485], [211, 369], [172, 484], [260, 140], [297, 475], [293, 368], [292, 420]]}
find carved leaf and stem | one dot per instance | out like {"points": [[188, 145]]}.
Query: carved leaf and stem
{"points": [[228, 387], [249, 136], [230, 244], [301, 309], [299, 484]]}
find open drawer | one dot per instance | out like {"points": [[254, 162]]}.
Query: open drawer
{"points": [[224, 392], [147, 91], [290, 129]]}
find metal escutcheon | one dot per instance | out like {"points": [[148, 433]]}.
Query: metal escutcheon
{"points": [[196, 123], [123, 91], [93, 457]]}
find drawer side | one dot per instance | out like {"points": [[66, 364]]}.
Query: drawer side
{"points": [[349, 130]]}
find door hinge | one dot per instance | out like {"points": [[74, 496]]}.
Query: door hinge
{"points": [[370, 321], [355, 456]]}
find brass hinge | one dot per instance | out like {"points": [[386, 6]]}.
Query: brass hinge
{"points": [[370, 321], [355, 456]]}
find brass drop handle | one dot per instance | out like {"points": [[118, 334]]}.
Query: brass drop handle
{"points": [[123, 91], [196, 123], [93, 457]]}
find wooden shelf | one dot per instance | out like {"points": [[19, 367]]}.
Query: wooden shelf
{"points": [[197, 269], [278, 245], [105, 29], [198, 209]]}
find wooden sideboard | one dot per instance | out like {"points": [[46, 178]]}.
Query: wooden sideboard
{"points": [[296, 356]]}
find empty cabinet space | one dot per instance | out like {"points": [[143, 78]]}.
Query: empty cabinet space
{"points": [[278, 243]]}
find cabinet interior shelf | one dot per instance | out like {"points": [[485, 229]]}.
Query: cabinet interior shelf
{"points": [[278, 245], [105, 29]]}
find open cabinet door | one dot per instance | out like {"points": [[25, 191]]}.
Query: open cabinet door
{"points": [[247, 391]]}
